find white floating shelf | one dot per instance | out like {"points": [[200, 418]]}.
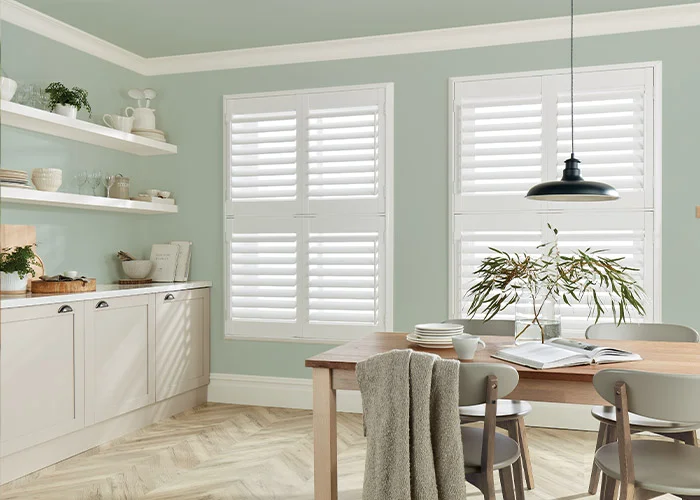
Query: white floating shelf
{"points": [[38, 120], [32, 197]]}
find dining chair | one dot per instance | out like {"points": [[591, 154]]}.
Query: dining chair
{"points": [[486, 450], [681, 431], [510, 414], [645, 468]]}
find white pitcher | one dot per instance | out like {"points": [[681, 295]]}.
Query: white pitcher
{"points": [[144, 118]]}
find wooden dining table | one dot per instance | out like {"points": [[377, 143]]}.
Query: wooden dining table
{"points": [[335, 369]]}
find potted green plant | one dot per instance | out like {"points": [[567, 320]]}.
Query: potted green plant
{"points": [[536, 285], [15, 267], [67, 102]]}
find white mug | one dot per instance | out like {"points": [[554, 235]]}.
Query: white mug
{"points": [[466, 345], [123, 123], [144, 118]]}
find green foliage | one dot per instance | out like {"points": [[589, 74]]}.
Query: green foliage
{"points": [[60, 94], [583, 276], [18, 260]]}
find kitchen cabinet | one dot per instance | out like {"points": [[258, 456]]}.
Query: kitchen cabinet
{"points": [[41, 374], [119, 356], [182, 342]]}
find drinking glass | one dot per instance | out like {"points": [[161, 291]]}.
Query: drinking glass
{"points": [[95, 181], [81, 179], [108, 181]]}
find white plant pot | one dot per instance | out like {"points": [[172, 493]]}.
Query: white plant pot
{"points": [[11, 283], [63, 110]]}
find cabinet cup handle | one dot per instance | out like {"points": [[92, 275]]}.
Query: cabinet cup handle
{"points": [[170, 296], [65, 309], [101, 305]]}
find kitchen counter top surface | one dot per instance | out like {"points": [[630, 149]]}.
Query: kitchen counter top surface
{"points": [[102, 292]]}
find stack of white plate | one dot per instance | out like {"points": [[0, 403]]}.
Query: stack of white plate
{"points": [[435, 335], [150, 133], [14, 178]]}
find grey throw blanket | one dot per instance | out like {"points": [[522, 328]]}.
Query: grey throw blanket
{"points": [[414, 445]]}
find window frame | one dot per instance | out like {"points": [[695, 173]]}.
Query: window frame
{"points": [[388, 214], [655, 313]]}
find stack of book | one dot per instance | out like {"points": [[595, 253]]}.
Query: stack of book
{"points": [[171, 261]]}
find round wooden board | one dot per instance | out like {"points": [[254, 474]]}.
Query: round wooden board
{"points": [[53, 287]]}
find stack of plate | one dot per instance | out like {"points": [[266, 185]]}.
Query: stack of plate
{"points": [[150, 133], [435, 335], [14, 178]]}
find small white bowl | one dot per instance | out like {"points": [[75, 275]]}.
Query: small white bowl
{"points": [[47, 179], [152, 193], [8, 87], [164, 194], [70, 274], [137, 269]]}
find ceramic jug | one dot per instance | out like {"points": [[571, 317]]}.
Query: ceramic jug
{"points": [[144, 118]]}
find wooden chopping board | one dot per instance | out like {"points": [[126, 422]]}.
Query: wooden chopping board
{"points": [[55, 287]]}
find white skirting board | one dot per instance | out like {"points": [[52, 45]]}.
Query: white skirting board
{"points": [[283, 392]]}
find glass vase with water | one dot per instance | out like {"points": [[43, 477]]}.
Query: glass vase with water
{"points": [[537, 319]]}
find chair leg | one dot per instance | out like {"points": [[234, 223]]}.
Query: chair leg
{"points": [[488, 486], [525, 454], [609, 488], [595, 471], [506, 477], [514, 433]]}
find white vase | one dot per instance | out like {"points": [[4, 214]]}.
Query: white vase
{"points": [[11, 283], [66, 110]]}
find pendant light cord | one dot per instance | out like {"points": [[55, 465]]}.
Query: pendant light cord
{"points": [[571, 58]]}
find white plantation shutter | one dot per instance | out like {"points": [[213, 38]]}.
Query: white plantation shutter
{"points": [[306, 214], [345, 275], [499, 142], [264, 282], [622, 235], [263, 172], [510, 131], [613, 133], [345, 142]]}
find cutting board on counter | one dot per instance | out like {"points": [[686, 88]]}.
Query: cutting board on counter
{"points": [[56, 287]]}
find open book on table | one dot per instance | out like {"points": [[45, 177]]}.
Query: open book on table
{"points": [[557, 353]]}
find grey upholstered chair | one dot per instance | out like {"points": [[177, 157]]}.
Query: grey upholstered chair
{"points": [[646, 468], [685, 432], [510, 414], [486, 450]]}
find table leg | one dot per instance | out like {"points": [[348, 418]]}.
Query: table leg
{"points": [[325, 436]]}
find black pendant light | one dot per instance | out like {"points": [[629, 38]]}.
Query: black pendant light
{"points": [[572, 187]]}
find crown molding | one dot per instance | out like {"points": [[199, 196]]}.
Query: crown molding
{"points": [[536, 30], [30, 19]]}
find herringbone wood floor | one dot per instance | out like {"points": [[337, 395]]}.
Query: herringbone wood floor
{"points": [[235, 452]]}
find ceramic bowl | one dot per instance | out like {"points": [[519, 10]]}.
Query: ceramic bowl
{"points": [[137, 269], [47, 179], [152, 193], [8, 87], [164, 194]]}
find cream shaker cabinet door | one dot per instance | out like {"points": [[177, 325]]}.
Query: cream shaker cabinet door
{"points": [[119, 356], [182, 342], [41, 374]]}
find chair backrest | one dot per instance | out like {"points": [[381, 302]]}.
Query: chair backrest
{"points": [[472, 381], [642, 331], [498, 327], [663, 396]]}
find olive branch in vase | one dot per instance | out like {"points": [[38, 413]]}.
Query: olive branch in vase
{"points": [[583, 276]]}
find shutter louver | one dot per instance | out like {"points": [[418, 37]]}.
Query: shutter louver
{"points": [[263, 276], [343, 278], [609, 137], [263, 157]]}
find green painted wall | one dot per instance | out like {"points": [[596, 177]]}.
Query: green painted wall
{"points": [[189, 109], [421, 165], [70, 238]]}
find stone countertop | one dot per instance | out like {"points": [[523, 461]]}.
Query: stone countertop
{"points": [[102, 292]]}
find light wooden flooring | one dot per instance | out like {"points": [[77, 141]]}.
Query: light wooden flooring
{"points": [[235, 452]]}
